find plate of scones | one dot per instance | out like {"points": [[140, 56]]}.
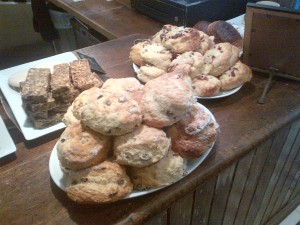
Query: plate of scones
{"points": [[127, 139], [211, 50]]}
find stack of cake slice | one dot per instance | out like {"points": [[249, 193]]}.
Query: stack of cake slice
{"points": [[46, 97]]}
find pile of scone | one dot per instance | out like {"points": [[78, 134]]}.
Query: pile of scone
{"points": [[215, 67], [128, 136]]}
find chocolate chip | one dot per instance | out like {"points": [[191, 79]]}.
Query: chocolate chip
{"points": [[145, 156], [120, 182], [84, 179], [63, 140], [108, 103], [169, 113], [100, 96], [112, 194], [232, 74]]}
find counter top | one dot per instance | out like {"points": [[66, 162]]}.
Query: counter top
{"points": [[29, 196], [111, 18]]}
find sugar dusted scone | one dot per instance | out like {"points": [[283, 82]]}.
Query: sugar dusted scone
{"points": [[220, 58], [194, 59], [129, 86], [135, 52], [166, 98], [156, 55], [146, 73], [111, 113], [180, 39], [194, 134], [165, 172], [106, 182], [142, 147], [235, 76], [206, 85], [79, 147]]}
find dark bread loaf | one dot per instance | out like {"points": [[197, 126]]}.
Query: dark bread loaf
{"points": [[225, 32], [202, 26]]}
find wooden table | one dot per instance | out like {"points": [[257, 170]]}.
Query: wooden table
{"points": [[250, 177], [111, 18]]}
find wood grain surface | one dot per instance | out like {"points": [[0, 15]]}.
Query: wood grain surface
{"points": [[29, 196]]}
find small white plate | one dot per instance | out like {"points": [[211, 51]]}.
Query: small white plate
{"points": [[7, 146], [222, 94], [59, 176], [14, 100]]}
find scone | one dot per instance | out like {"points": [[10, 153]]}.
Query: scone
{"points": [[194, 59], [194, 134], [180, 39], [220, 58], [142, 147], [206, 43], [79, 147], [235, 76], [128, 85], [135, 52], [156, 55], [206, 85], [166, 98], [69, 117], [111, 113], [157, 38], [106, 182], [84, 98], [165, 172], [146, 73]]}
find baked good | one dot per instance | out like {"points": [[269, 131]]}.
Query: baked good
{"points": [[111, 113], [84, 98], [69, 117], [225, 32], [194, 134], [220, 58], [129, 86], [80, 147], [202, 26], [61, 84], [135, 52], [141, 147], [194, 59], [82, 76], [165, 172], [235, 76], [180, 39], [146, 73], [166, 98], [157, 38], [156, 55], [15, 80], [206, 85], [36, 86], [106, 182], [41, 122], [206, 43]]}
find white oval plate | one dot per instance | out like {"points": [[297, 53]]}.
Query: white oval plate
{"points": [[59, 176]]}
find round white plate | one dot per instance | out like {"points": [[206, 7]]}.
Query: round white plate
{"points": [[59, 176], [222, 94]]}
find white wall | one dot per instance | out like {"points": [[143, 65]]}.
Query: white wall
{"points": [[16, 27]]}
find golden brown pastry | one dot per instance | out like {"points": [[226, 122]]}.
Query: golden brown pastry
{"points": [[135, 52], [166, 98], [142, 147], [194, 134], [206, 85], [106, 182], [79, 147]]}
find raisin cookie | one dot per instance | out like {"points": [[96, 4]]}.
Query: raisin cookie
{"points": [[106, 182], [142, 147], [79, 147]]}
